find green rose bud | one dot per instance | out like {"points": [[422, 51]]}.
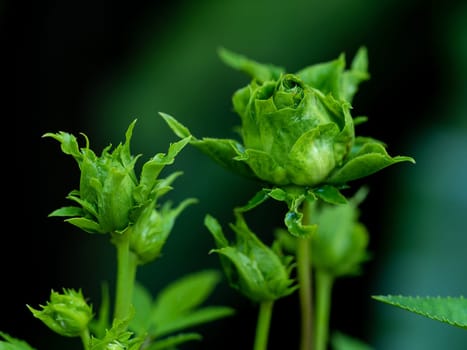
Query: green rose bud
{"points": [[292, 133], [67, 314], [110, 197], [296, 129], [255, 270], [106, 185], [151, 230]]}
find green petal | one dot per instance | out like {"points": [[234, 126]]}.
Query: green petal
{"points": [[264, 166], [312, 157], [325, 76], [357, 74]]}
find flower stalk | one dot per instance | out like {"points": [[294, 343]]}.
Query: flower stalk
{"points": [[126, 274], [304, 272], [323, 283], [263, 325]]}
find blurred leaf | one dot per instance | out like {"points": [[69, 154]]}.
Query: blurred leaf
{"points": [[142, 301], [199, 316], [176, 307], [184, 295], [13, 343], [172, 341], [342, 341]]}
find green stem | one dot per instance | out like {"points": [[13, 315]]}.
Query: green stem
{"points": [[85, 338], [126, 274], [305, 285], [323, 283], [262, 326]]}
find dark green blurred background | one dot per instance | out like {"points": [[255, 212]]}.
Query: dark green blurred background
{"points": [[94, 66]]}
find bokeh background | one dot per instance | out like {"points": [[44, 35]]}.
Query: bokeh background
{"points": [[94, 66]]}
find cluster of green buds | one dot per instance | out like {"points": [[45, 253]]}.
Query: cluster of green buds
{"points": [[255, 270], [111, 198], [67, 313], [297, 129]]}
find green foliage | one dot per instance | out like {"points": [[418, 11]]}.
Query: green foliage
{"points": [[177, 307], [298, 140], [341, 341], [12, 343], [117, 338], [450, 310]]}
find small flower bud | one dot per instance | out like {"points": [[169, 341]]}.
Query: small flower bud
{"points": [[67, 314], [255, 270]]}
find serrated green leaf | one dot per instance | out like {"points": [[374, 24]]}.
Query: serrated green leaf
{"points": [[450, 310], [12, 343]]}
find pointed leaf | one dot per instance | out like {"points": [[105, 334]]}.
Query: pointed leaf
{"points": [[178, 128], [370, 158], [448, 309], [259, 71], [216, 230], [67, 211], [257, 199], [225, 153], [86, 225], [330, 194]]}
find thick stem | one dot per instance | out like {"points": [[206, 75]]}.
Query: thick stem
{"points": [[126, 274], [305, 285], [262, 326], [323, 284]]}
